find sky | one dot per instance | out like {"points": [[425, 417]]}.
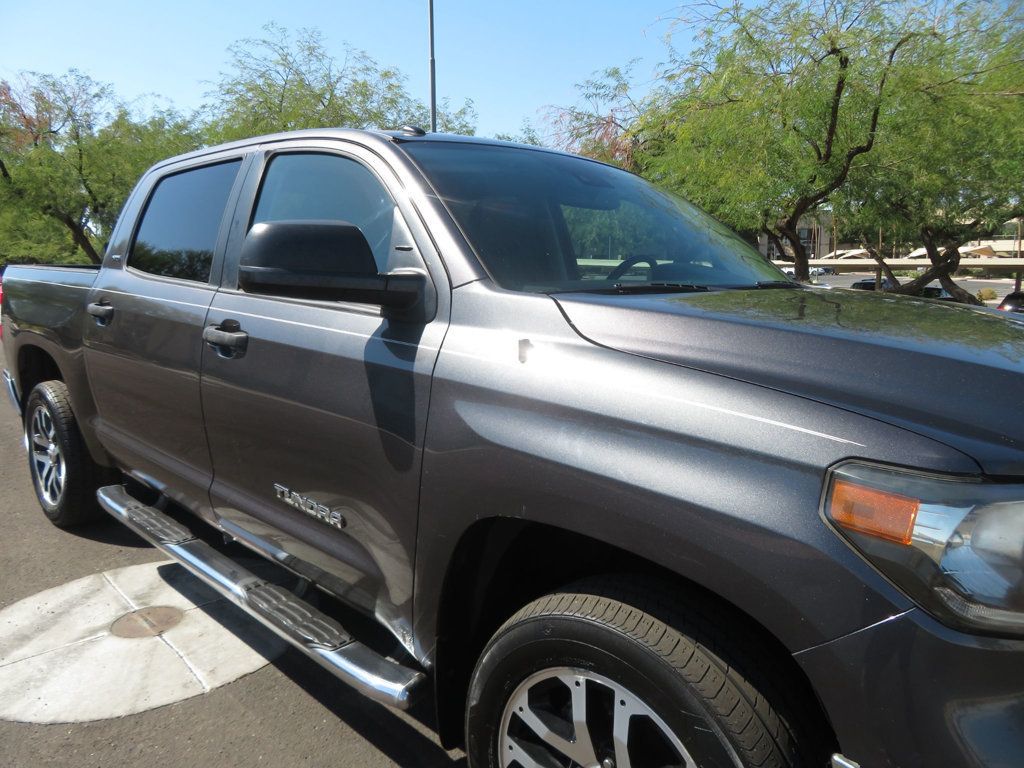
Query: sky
{"points": [[513, 59]]}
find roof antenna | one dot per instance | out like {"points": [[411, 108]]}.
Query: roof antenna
{"points": [[433, 90]]}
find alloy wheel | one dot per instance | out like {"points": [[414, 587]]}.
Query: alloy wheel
{"points": [[572, 718], [48, 467]]}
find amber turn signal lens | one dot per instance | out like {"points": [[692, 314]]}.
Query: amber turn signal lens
{"points": [[876, 513]]}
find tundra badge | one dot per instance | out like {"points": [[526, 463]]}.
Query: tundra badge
{"points": [[309, 506]]}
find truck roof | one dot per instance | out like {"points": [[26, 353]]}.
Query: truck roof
{"points": [[364, 136]]}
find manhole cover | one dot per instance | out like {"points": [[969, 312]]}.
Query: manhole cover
{"points": [[64, 656], [147, 622]]}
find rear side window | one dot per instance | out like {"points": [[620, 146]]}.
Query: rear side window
{"points": [[179, 228], [313, 186]]}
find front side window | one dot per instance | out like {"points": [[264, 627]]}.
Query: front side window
{"points": [[546, 222], [305, 187], [179, 228]]}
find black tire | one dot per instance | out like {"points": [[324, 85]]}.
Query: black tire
{"points": [[678, 668], [76, 501]]}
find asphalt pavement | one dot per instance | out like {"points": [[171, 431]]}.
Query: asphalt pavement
{"points": [[288, 713]]}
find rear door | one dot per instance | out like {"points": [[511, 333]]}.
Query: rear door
{"points": [[143, 335], [316, 430]]}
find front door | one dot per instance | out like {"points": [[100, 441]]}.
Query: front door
{"points": [[316, 427], [143, 336]]}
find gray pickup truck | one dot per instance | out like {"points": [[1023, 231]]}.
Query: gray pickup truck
{"points": [[622, 491]]}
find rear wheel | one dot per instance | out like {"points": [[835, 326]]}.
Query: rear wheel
{"points": [[583, 679], [64, 475]]}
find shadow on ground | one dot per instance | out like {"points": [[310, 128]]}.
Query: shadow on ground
{"points": [[106, 530], [388, 731]]}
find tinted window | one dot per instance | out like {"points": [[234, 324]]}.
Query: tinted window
{"points": [[600, 236], [311, 186], [546, 222], [179, 228]]}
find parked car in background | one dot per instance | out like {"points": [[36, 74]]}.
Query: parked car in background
{"points": [[820, 271], [937, 292], [868, 284], [1014, 302], [928, 292]]}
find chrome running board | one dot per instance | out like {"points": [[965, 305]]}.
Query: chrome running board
{"points": [[12, 392], [311, 631]]}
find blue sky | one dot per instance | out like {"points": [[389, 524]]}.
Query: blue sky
{"points": [[513, 59]]}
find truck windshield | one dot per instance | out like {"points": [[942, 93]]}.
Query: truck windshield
{"points": [[545, 222]]}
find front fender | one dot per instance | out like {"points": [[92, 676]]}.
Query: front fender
{"points": [[715, 479]]}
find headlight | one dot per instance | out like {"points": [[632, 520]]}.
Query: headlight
{"points": [[955, 546]]}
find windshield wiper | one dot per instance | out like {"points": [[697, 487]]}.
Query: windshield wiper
{"points": [[776, 284], [763, 284], [631, 288]]}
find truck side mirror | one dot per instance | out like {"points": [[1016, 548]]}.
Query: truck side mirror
{"points": [[325, 260]]}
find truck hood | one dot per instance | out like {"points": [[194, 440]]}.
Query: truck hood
{"points": [[947, 371]]}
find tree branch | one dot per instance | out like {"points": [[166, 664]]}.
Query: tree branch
{"points": [[810, 140], [837, 97], [860, 149], [777, 242], [874, 254], [961, 79], [77, 233], [805, 202]]}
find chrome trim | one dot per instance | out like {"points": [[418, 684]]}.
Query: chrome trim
{"points": [[12, 392], [259, 545], [838, 761], [365, 670]]}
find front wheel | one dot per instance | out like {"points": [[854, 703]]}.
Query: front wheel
{"points": [[64, 475], [582, 679]]}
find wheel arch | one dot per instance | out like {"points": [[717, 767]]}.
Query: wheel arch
{"points": [[35, 363], [487, 581]]}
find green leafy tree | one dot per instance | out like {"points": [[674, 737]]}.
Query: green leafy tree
{"points": [[952, 168], [70, 151], [763, 121], [604, 124], [780, 101], [69, 156], [527, 135], [284, 82], [28, 236]]}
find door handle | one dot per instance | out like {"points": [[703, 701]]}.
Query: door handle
{"points": [[100, 310], [226, 338]]}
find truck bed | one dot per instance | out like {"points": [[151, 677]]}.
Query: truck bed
{"points": [[48, 300], [43, 311]]}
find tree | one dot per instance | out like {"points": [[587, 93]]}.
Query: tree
{"points": [[27, 236], [763, 122], [283, 82], [603, 125], [71, 151], [69, 156], [953, 169], [527, 135]]}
